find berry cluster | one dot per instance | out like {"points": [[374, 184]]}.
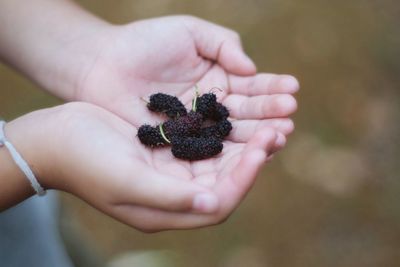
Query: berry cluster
{"points": [[193, 135]]}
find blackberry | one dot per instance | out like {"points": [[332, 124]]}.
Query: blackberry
{"points": [[205, 104], [151, 136], [220, 112], [184, 131], [170, 105], [188, 125], [195, 148], [219, 130], [208, 106]]}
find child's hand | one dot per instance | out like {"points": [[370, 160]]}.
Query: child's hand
{"points": [[95, 155], [171, 55], [79, 57]]}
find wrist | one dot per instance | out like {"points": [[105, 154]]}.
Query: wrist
{"points": [[14, 187], [31, 136], [67, 60], [65, 72]]}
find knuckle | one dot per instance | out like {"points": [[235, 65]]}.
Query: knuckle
{"points": [[190, 21], [235, 36]]}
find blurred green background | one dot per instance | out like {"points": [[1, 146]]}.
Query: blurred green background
{"points": [[332, 197]]}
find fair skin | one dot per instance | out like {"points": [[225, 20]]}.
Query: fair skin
{"points": [[95, 154]]}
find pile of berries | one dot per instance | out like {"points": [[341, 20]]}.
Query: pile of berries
{"points": [[193, 135]]}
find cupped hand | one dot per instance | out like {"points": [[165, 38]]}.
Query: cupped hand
{"points": [[172, 55], [87, 151]]}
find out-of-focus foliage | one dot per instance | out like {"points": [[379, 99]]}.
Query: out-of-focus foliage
{"points": [[332, 198]]}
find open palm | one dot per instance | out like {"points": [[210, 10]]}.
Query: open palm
{"points": [[97, 159], [171, 55]]}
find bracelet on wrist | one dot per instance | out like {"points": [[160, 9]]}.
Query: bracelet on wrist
{"points": [[20, 162]]}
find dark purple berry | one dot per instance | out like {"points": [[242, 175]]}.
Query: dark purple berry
{"points": [[205, 104], [219, 130], [208, 106], [188, 125], [195, 148], [151, 136], [170, 105], [184, 131], [219, 113]]}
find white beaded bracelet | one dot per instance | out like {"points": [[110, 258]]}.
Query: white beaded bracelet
{"points": [[21, 163]]}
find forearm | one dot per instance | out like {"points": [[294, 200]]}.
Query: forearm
{"points": [[50, 41]]}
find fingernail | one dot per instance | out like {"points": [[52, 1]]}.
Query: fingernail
{"points": [[206, 203], [280, 140]]}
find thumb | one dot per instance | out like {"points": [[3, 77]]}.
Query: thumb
{"points": [[222, 45], [152, 189]]}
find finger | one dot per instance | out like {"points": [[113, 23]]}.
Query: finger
{"points": [[254, 155], [260, 107], [152, 189], [244, 130], [263, 84], [221, 45], [240, 173], [152, 220], [263, 140], [280, 143]]}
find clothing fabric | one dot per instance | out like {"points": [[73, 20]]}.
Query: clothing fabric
{"points": [[29, 234]]}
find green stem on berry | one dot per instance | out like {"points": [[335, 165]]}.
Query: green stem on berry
{"points": [[194, 101], [142, 98], [163, 134], [215, 87]]}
